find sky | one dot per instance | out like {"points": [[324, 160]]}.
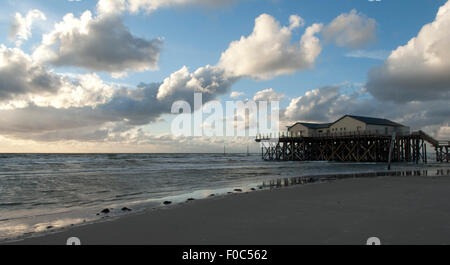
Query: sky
{"points": [[102, 75]]}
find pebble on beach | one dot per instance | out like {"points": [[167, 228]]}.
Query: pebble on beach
{"points": [[238, 190], [49, 227], [190, 199], [126, 209], [167, 202], [106, 211]]}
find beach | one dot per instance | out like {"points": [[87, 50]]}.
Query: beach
{"points": [[397, 210], [39, 191]]}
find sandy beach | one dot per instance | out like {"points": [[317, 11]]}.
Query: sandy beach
{"points": [[398, 210]]}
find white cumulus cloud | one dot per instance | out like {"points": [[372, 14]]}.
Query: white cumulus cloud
{"points": [[352, 30], [99, 44], [268, 95], [236, 94], [268, 52], [419, 70], [20, 28], [209, 80], [44, 106], [296, 21]]}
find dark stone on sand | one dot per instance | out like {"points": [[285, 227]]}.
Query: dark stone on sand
{"points": [[49, 227], [106, 211], [253, 189], [212, 195], [125, 209], [190, 199], [238, 190], [167, 202]]}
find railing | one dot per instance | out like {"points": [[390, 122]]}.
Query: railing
{"points": [[427, 137], [283, 135], [444, 143]]}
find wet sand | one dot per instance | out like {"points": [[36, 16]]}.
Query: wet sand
{"points": [[398, 210]]}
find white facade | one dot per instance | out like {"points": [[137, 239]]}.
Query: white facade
{"points": [[347, 125], [299, 130]]}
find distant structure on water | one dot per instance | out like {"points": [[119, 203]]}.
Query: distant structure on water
{"points": [[348, 124], [351, 139]]}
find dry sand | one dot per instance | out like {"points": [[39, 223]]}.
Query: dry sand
{"points": [[398, 210]]}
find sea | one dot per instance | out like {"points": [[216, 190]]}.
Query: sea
{"points": [[43, 192]]}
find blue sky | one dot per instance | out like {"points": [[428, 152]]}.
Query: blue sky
{"points": [[196, 36]]}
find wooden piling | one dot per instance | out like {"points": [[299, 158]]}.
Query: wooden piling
{"points": [[353, 148]]}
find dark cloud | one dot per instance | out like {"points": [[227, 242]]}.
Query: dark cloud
{"points": [[106, 7], [423, 85], [82, 42], [126, 109], [19, 75]]}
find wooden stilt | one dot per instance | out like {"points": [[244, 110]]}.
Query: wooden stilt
{"points": [[354, 148]]}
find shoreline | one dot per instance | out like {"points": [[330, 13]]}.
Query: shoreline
{"points": [[182, 199], [105, 231], [18, 224]]}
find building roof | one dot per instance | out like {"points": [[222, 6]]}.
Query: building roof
{"points": [[313, 125], [373, 121], [366, 120]]}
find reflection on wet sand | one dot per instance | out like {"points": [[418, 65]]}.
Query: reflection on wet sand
{"points": [[278, 183]]}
